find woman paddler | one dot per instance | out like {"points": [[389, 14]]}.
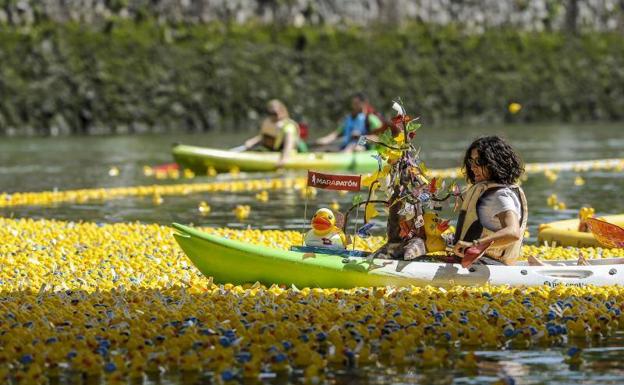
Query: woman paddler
{"points": [[277, 133], [493, 214]]}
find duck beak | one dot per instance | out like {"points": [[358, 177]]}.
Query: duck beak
{"points": [[321, 223], [443, 226]]}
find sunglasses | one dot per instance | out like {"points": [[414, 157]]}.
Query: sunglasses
{"points": [[272, 113], [475, 162]]}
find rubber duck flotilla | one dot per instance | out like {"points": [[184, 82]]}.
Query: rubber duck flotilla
{"points": [[324, 232]]}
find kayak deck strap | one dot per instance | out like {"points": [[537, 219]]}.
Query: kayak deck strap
{"points": [[325, 250]]}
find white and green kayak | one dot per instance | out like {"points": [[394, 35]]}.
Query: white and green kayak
{"points": [[200, 159], [230, 261]]}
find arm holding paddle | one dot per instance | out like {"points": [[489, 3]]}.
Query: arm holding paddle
{"points": [[508, 234], [251, 142], [327, 139]]}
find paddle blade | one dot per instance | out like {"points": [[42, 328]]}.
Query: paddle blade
{"points": [[166, 167], [473, 253], [240, 148], [608, 234]]}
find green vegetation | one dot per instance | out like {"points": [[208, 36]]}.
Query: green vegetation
{"points": [[142, 76]]}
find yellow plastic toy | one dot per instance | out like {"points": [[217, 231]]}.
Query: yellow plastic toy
{"points": [[324, 231], [584, 214], [434, 227]]}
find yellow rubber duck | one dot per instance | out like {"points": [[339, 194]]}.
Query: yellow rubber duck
{"points": [[204, 208], [552, 176], [434, 227], [308, 193], [469, 362], [242, 211], [584, 214], [574, 357], [514, 108], [324, 232], [190, 363], [552, 200], [148, 171], [365, 356], [262, 196], [157, 200]]}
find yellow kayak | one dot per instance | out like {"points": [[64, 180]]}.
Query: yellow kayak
{"points": [[565, 233]]}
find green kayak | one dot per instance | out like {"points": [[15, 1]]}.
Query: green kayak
{"points": [[230, 261], [199, 159]]}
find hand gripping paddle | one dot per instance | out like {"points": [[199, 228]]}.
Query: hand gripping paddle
{"points": [[473, 253]]}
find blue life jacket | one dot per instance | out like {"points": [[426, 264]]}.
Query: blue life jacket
{"points": [[353, 125]]}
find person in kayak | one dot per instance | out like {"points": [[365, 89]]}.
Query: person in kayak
{"points": [[362, 120], [493, 214], [277, 133]]}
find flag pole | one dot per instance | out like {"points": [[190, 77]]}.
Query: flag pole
{"points": [[357, 214], [305, 210], [305, 218]]}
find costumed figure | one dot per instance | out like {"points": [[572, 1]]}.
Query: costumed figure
{"points": [[324, 232]]}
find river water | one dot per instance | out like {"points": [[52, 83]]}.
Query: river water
{"points": [[39, 164]]}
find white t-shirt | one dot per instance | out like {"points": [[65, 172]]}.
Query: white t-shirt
{"points": [[495, 203]]}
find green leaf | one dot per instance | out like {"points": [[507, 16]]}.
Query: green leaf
{"points": [[413, 125], [386, 138], [357, 199]]}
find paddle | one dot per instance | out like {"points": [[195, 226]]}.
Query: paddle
{"points": [[471, 254], [240, 148], [608, 234], [311, 146], [166, 167]]}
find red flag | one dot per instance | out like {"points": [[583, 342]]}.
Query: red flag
{"points": [[334, 182]]}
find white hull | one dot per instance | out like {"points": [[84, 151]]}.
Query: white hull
{"points": [[604, 272]]}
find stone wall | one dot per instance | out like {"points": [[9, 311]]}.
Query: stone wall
{"points": [[476, 15]]}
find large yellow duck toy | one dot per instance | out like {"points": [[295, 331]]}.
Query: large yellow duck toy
{"points": [[324, 231], [434, 227]]}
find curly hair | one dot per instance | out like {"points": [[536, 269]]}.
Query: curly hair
{"points": [[504, 165]]}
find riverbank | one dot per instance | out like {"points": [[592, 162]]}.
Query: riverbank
{"points": [[132, 77]]}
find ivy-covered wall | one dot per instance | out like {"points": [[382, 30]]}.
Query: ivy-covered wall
{"points": [[148, 76]]}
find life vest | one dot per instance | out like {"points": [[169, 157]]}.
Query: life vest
{"points": [[332, 240], [351, 125], [273, 133], [470, 228]]}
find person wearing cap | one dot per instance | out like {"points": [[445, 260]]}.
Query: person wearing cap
{"points": [[362, 120]]}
